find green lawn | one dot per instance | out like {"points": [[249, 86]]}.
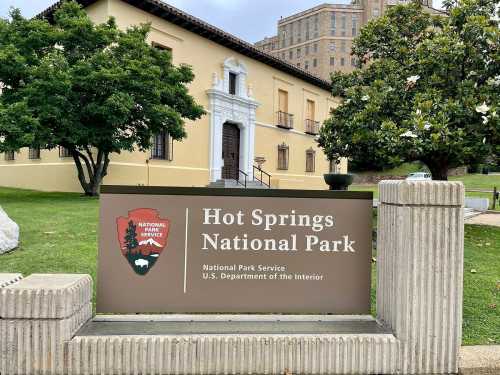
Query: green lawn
{"points": [[471, 181], [59, 234]]}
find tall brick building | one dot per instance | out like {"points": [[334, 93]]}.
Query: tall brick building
{"points": [[319, 40]]}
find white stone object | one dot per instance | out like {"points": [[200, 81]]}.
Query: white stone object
{"points": [[9, 233], [480, 204], [420, 272], [38, 315]]}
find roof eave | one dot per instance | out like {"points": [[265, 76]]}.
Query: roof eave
{"points": [[205, 30]]}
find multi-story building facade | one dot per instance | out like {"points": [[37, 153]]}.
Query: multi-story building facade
{"points": [[258, 107], [319, 40]]}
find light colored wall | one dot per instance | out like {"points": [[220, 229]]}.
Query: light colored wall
{"points": [[190, 165]]}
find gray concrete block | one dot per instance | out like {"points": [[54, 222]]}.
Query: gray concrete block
{"points": [[36, 346], [420, 270], [480, 204], [233, 354], [423, 193], [45, 296]]}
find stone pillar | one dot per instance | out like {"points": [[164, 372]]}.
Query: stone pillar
{"points": [[38, 315], [420, 271]]}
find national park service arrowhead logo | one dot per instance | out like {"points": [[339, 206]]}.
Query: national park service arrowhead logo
{"points": [[143, 237]]}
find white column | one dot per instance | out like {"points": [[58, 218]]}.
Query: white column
{"points": [[216, 161], [251, 143], [419, 272]]}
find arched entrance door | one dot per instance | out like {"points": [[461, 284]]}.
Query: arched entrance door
{"points": [[231, 151]]}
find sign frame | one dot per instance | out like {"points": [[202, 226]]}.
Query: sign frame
{"points": [[220, 192]]}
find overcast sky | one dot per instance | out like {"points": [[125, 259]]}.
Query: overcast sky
{"points": [[250, 20]]}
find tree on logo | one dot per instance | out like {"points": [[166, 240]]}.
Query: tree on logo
{"points": [[131, 237]]}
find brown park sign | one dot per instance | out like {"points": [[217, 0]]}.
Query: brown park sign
{"points": [[198, 250]]}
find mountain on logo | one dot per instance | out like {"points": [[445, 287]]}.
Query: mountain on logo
{"points": [[150, 242]]}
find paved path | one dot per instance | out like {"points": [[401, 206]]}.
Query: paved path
{"points": [[480, 360], [485, 219]]}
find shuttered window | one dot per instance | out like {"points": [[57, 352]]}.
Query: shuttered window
{"points": [[310, 160], [64, 152], [163, 147], [9, 155], [283, 101], [310, 110], [283, 156], [34, 153]]}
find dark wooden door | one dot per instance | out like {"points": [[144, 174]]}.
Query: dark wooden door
{"points": [[231, 151]]}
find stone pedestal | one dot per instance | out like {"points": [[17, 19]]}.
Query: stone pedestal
{"points": [[39, 314], [420, 269], [419, 304]]}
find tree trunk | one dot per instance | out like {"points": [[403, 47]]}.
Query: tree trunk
{"points": [[91, 171], [438, 168]]}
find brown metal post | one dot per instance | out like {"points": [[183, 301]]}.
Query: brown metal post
{"points": [[495, 195]]}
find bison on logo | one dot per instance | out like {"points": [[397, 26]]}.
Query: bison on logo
{"points": [[142, 236]]}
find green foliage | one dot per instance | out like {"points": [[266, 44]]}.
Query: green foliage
{"points": [[429, 90], [92, 89], [131, 236]]}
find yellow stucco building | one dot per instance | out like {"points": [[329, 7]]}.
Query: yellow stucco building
{"points": [[258, 106]]}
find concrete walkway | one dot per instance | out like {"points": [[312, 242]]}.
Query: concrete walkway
{"points": [[485, 219], [480, 360]]}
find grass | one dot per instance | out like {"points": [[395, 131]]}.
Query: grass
{"points": [[59, 235], [471, 181]]}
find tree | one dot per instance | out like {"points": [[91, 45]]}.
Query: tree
{"points": [[131, 237], [428, 90], [92, 89]]}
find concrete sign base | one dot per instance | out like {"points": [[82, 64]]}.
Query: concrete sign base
{"points": [[417, 331]]}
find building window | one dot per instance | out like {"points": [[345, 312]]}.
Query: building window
{"points": [[283, 155], [333, 47], [310, 160], [315, 63], [161, 47], [9, 155], [315, 48], [343, 46], [333, 24], [332, 61], [283, 55], [233, 78], [299, 53], [298, 65], [354, 25], [343, 21], [64, 152], [285, 119], [34, 153], [307, 50], [376, 12], [163, 146], [306, 65], [290, 55], [353, 61], [342, 61]]}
